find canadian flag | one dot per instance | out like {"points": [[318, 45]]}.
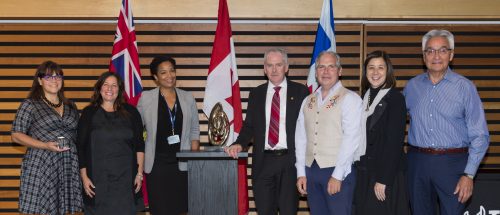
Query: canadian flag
{"points": [[223, 86]]}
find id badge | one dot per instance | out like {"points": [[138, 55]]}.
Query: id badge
{"points": [[173, 139]]}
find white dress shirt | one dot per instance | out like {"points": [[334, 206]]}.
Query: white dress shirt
{"points": [[352, 133], [282, 127]]}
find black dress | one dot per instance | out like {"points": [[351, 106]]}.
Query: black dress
{"points": [[384, 161], [112, 141], [167, 185]]}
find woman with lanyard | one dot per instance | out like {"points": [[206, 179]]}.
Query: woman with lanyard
{"points": [[170, 117]]}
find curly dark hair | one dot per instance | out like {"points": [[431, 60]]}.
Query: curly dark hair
{"points": [[153, 66]]}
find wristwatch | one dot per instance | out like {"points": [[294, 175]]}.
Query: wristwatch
{"points": [[468, 175]]}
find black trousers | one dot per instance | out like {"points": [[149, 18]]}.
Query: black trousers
{"points": [[274, 187]]}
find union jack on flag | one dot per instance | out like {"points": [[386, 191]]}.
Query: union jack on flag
{"points": [[125, 57]]}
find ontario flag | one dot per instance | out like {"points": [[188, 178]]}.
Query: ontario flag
{"points": [[325, 40], [223, 86], [125, 57]]}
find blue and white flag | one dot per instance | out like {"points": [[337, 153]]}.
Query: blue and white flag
{"points": [[325, 40]]}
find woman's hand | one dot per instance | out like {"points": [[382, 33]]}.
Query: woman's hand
{"points": [[29, 141], [88, 186], [138, 182], [379, 191], [54, 147]]}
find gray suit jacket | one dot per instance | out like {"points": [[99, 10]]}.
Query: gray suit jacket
{"points": [[148, 108]]}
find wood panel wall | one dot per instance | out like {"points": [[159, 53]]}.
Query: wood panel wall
{"points": [[84, 52], [477, 56], [254, 9]]}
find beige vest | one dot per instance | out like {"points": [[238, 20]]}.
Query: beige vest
{"points": [[323, 129]]}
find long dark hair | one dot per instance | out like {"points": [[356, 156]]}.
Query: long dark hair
{"points": [[96, 99], [390, 80], [48, 68]]}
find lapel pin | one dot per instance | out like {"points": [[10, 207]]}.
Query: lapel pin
{"points": [[379, 104], [291, 98]]}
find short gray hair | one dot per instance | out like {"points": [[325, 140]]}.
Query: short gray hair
{"points": [[283, 53], [438, 33], [331, 53]]}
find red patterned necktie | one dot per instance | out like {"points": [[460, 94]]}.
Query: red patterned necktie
{"points": [[274, 123]]}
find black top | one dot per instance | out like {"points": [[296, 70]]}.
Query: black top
{"points": [[111, 137], [107, 143], [85, 127], [167, 152], [373, 94]]}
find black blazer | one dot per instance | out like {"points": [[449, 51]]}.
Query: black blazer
{"points": [[254, 126], [385, 132]]}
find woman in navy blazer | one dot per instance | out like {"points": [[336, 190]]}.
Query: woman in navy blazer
{"points": [[381, 181], [170, 117]]}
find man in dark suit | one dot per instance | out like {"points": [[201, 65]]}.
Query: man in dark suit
{"points": [[270, 121]]}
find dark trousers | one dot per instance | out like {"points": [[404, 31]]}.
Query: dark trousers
{"points": [[274, 187], [322, 203], [167, 189], [396, 194], [432, 178]]}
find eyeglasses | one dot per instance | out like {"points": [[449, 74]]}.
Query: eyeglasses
{"points": [[441, 51], [52, 77], [327, 67]]}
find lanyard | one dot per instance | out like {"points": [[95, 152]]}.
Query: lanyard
{"points": [[172, 116]]}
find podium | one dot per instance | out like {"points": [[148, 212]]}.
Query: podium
{"points": [[212, 182]]}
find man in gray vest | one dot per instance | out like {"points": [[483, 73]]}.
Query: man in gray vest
{"points": [[327, 136]]}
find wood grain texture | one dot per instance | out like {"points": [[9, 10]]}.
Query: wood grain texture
{"points": [[360, 9], [24, 46], [213, 187]]}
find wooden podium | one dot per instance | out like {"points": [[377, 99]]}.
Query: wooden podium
{"points": [[212, 182]]}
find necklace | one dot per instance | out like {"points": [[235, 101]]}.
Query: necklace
{"points": [[50, 103], [368, 103]]}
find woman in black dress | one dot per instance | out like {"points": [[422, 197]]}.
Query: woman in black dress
{"points": [[50, 183], [110, 150], [170, 116], [381, 181]]}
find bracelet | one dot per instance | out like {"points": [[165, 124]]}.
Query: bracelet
{"points": [[140, 176]]}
